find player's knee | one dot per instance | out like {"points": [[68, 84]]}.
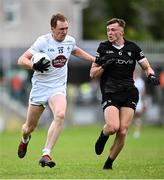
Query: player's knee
{"points": [[27, 128], [60, 114], [123, 132], [111, 129], [59, 119]]}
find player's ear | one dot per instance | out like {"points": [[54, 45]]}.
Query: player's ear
{"points": [[122, 32], [121, 29]]}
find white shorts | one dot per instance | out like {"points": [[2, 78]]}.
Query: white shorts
{"points": [[40, 95]]}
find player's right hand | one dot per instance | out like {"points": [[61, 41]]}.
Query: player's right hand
{"points": [[42, 65]]}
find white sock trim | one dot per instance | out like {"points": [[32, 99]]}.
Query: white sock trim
{"points": [[25, 140], [46, 151]]}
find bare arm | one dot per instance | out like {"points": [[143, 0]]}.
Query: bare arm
{"points": [[83, 55], [146, 67], [152, 78], [24, 60], [96, 71]]}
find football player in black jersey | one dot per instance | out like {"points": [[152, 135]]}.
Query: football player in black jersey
{"points": [[115, 63]]}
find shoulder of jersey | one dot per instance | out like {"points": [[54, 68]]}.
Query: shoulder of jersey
{"points": [[105, 43], [45, 37], [69, 38], [130, 43]]}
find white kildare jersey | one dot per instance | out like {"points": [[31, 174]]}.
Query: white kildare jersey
{"points": [[59, 53]]}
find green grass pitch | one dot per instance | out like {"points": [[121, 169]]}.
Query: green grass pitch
{"points": [[74, 155]]}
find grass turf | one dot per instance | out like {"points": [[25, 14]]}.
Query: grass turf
{"points": [[74, 155]]}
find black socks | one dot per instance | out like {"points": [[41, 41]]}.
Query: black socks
{"points": [[108, 163], [105, 137], [100, 143]]}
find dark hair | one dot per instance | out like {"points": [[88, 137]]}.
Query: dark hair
{"points": [[57, 17], [121, 22]]}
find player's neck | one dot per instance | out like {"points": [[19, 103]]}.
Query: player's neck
{"points": [[55, 38], [119, 42]]}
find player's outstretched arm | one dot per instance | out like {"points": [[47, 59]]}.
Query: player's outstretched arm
{"points": [[83, 55]]}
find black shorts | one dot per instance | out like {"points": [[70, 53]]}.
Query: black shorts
{"points": [[121, 99]]}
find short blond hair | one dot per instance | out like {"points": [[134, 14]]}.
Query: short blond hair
{"points": [[121, 22]]}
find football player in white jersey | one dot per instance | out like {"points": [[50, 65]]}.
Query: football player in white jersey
{"points": [[49, 83]]}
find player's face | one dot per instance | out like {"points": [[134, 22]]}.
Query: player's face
{"points": [[115, 33], [60, 31]]}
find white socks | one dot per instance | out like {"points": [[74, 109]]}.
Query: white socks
{"points": [[25, 140], [46, 151]]}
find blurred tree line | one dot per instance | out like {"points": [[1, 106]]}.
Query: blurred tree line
{"points": [[144, 18]]}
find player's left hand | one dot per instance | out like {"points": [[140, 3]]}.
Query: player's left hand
{"points": [[108, 63], [100, 60], [152, 79], [104, 61]]}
